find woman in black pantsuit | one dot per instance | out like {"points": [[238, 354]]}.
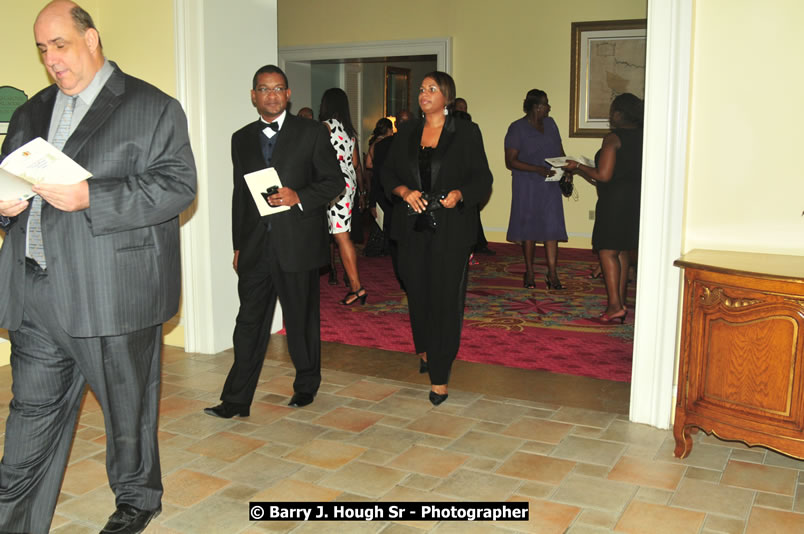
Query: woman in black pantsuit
{"points": [[442, 158]]}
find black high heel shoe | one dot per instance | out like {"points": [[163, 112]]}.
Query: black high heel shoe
{"points": [[423, 367], [553, 285], [528, 283], [345, 279], [357, 295], [333, 277], [436, 398]]}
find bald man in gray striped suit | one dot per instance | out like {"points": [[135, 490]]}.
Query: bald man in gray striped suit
{"points": [[88, 274]]}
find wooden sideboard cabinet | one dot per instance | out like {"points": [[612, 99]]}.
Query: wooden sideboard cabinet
{"points": [[742, 341]]}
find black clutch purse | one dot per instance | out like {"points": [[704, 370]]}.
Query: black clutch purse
{"points": [[565, 184], [432, 200], [426, 220]]}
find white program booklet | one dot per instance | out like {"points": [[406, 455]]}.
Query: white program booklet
{"points": [[380, 216], [556, 177], [560, 161], [37, 161], [258, 183]]}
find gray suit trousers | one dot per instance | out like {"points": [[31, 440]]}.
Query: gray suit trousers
{"points": [[50, 370]]}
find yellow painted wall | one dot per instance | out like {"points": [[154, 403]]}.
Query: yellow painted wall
{"points": [[21, 69], [500, 51], [744, 185], [139, 36]]}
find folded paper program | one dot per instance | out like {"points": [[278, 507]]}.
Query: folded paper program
{"points": [[37, 161]]}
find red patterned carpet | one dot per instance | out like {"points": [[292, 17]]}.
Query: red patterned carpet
{"points": [[504, 324]]}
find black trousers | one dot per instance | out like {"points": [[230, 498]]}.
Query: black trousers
{"points": [[482, 242], [393, 249], [50, 371], [435, 280], [298, 293]]}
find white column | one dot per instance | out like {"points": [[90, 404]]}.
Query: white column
{"points": [[214, 72], [663, 179]]}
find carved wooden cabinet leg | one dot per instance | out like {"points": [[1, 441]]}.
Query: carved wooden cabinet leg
{"points": [[683, 441]]}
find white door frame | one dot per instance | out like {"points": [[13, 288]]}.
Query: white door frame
{"points": [[213, 76], [667, 88], [441, 47], [195, 276]]}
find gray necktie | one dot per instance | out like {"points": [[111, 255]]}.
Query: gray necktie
{"points": [[36, 248]]}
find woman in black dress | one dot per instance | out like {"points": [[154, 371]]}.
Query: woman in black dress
{"points": [[618, 176], [441, 158]]}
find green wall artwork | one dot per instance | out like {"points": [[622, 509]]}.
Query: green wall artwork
{"points": [[10, 99]]}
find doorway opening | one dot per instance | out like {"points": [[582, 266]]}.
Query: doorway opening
{"points": [[360, 70]]}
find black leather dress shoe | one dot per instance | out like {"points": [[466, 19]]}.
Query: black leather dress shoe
{"points": [[227, 410], [301, 399], [128, 519]]}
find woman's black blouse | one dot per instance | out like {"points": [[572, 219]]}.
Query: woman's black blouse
{"points": [[425, 158]]}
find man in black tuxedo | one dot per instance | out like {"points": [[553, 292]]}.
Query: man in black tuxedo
{"points": [[278, 256]]}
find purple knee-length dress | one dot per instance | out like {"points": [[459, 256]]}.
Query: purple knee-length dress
{"points": [[537, 208]]}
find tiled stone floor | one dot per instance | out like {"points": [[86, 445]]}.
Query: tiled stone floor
{"points": [[563, 444]]}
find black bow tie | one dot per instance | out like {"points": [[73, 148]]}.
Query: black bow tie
{"points": [[274, 126]]}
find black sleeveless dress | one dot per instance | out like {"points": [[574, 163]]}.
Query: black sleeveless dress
{"points": [[617, 210]]}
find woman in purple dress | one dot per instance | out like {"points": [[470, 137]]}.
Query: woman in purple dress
{"points": [[537, 209]]}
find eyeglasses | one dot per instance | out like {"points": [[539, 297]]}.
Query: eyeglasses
{"points": [[275, 90]]}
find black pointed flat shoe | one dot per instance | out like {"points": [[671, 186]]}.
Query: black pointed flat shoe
{"points": [[436, 398]]}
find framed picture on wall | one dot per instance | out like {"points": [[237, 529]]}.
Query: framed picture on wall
{"points": [[608, 59], [397, 90], [10, 99]]}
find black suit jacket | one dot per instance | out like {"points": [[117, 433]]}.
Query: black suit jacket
{"points": [[114, 267], [307, 163], [459, 162]]}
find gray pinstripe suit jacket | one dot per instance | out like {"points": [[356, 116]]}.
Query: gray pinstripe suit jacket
{"points": [[115, 266]]}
